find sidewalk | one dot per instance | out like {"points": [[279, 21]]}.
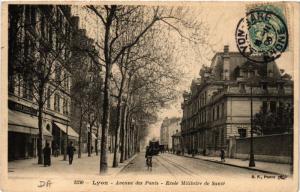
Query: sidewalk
{"points": [[265, 167], [83, 167]]}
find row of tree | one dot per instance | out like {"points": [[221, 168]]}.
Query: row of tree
{"points": [[137, 57]]}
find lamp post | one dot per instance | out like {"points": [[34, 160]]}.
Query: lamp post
{"points": [[251, 160]]}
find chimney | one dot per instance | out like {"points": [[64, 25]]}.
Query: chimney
{"points": [[226, 63], [226, 49], [75, 22], [270, 69]]}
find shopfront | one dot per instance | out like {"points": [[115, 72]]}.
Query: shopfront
{"points": [[60, 132], [23, 134]]}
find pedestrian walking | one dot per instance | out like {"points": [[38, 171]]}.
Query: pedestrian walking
{"points": [[222, 155], [47, 155], [70, 152]]}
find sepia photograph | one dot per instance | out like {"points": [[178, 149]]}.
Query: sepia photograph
{"points": [[149, 96]]}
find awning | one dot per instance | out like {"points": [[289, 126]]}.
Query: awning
{"points": [[23, 123], [71, 131]]}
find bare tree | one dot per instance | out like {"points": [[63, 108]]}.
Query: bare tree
{"points": [[115, 23]]}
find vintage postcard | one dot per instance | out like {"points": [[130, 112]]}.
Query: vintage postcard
{"points": [[149, 96]]}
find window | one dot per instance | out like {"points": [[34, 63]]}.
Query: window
{"points": [[27, 89], [265, 87], [56, 102], [242, 133], [265, 106], [65, 81], [11, 84], [57, 73], [251, 74], [218, 112], [237, 71], [273, 106], [48, 127], [65, 106], [223, 110], [281, 86], [48, 97], [242, 88]]}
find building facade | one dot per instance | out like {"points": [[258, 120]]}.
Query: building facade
{"points": [[168, 128], [86, 81], [35, 34], [218, 105]]}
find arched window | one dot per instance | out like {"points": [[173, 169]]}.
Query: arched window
{"points": [[237, 72], [48, 127]]}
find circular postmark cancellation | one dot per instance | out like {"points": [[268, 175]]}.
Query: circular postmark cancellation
{"points": [[262, 36]]}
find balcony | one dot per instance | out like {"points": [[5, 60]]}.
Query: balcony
{"points": [[256, 91]]}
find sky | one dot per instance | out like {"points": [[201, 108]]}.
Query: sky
{"points": [[221, 19]]}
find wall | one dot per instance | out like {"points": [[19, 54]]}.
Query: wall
{"points": [[273, 148]]}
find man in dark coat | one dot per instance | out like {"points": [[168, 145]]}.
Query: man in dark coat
{"points": [[222, 155], [47, 155], [70, 152]]}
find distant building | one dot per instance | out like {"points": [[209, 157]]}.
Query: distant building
{"points": [[177, 143], [217, 106], [168, 128]]}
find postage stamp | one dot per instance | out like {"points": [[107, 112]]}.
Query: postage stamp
{"points": [[262, 33]]}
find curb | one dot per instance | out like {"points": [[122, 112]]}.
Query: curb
{"points": [[239, 166], [129, 161]]}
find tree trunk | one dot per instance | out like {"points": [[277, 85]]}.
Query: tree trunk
{"points": [[117, 131], [130, 137], [106, 95], [96, 142], [119, 119], [126, 135], [96, 145], [89, 141], [105, 122], [123, 135], [80, 135], [40, 125]]}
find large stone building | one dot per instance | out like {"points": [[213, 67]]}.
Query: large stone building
{"points": [[168, 128], [217, 106], [37, 34]]}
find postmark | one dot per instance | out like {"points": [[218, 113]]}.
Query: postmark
{"points": [[262, 36]]}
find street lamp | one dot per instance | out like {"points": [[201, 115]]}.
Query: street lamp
{"points": [[251, 160]]}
